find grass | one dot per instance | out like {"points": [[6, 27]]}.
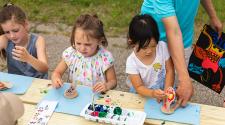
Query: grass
{"points": [[115, 14], [219, 7]]}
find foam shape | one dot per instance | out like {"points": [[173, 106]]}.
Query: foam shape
{"points": [[168, 101], [190, 114], [71, 92], [70, 106], [20, 83]]}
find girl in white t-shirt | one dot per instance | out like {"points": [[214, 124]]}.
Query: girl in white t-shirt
{"points": [[149, 67]]}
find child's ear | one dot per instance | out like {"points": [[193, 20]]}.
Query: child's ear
{"points": [[100, 42], [129, 41]]}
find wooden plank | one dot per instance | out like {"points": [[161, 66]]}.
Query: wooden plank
{"points": [[209, 114], [36, 92]]}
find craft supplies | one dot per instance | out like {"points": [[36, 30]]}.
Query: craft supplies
{"points": [[43, 113], [113, 115], [168, 101]]}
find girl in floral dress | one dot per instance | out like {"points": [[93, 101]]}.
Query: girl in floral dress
{"points": [[89, 63]]}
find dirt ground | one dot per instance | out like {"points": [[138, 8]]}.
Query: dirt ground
{"points": [[57, 39]]}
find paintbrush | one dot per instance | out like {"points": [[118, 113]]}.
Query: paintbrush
{"points": [[93, 96], [93, 101]]}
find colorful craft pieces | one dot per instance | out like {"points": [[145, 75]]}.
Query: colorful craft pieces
{"points": [[43, 113], [168, 101], [71, 92], [113, 115]]}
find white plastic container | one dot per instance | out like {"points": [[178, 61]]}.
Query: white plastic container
{"points": [[127, 116]]}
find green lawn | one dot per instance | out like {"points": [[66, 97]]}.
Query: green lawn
{"points": [[115, 14]]}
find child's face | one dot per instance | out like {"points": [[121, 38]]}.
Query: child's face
{"points": [[149, 49], [15, 31], [85, 44]]}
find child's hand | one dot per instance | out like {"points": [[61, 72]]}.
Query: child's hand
{"points": [[57, 82], [100, 87], [20, 53], [158, 94], [2, 85]]}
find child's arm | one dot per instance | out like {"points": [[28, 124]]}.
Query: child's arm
{"points": [[57, 74], [40, 63], [144, 91], [110, 83], [3, 42], [169, 80]]}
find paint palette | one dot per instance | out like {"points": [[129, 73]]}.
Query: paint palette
{"points": [[113, 115]]}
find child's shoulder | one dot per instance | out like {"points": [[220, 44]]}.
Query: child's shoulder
{"points": [[40, 40], [69, 50], [132, 55], [38, 37], [162, 49], [105, 55], [69, 53], [162, 45], [104, 52], [37, 41]]}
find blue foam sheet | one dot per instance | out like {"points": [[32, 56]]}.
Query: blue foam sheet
{"points": [[70, 106], [20, 83], [190, 114]]}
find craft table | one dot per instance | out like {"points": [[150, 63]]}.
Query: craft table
{"points": [[209, 114], [36, 92]]}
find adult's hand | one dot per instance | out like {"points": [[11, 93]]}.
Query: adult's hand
{"points": [[184, 93], [216, 24], [214, 20]]}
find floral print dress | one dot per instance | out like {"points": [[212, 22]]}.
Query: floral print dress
{"points": [[87, 70]]}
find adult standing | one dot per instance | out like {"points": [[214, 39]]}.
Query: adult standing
{"points": [[175, 19]]}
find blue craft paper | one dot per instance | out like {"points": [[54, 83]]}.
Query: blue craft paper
{"points": [[20, 83], [190, 114], [70, 106]]}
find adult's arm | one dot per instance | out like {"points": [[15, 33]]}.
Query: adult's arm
{"points": [[176, 49], [214, 20]]}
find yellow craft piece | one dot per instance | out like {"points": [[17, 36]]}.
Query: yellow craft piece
{"points": [[170, 96]]}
